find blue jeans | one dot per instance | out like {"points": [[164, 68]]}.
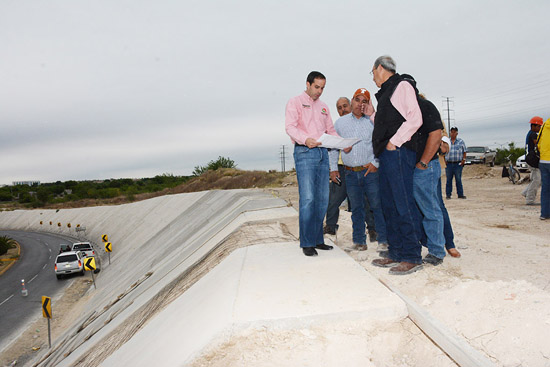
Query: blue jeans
{"points": [[545, 190], [363, 188], [403, 220], [337, 194], [312, 171], [454, 169], [425, 195], [447, 228]]}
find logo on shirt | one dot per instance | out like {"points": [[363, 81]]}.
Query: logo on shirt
{"points": [[306, 106], [324, 111]]}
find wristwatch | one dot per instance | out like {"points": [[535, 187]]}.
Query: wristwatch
{"points": [[424, 165]]}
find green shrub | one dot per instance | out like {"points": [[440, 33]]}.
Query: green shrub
{"points": [[5, 244]]}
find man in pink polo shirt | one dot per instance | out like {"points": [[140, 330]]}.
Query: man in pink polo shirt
{"points": [[306, 119]]}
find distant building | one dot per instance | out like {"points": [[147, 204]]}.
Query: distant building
{"points": [[29, 183]]}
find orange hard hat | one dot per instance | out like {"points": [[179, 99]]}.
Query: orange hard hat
{"points": [[537, 120]]}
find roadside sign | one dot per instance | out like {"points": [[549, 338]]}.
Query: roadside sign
{"points": [[104, 238], [108, 247], [47, 307], [89, 263], [47, 313]]}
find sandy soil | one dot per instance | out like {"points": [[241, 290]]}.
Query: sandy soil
{"points": [[496, 296]]}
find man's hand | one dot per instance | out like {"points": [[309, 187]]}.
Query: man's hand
{"points": [[312, 143], [462, 162], [444, 147], [348, 149], [370, 168], [333, 175], [419, 166], [367, 108], [390, 146]]}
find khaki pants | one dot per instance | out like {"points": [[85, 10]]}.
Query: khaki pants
{"points": [[530, 192]]}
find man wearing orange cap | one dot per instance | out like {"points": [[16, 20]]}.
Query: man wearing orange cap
{"points": [[361, 169], [530, 192]]}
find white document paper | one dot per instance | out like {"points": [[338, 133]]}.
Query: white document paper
{"points": [[336, 142]]}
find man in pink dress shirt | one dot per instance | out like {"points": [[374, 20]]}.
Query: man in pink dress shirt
{"points": [[395, 143], [307, 118]]}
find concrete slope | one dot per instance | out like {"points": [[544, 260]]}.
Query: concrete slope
{"points": [[262, 286], [155, 242]]}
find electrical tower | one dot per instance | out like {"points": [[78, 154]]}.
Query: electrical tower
{"points": [[447, 101]]}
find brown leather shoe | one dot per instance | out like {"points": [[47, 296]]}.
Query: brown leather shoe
{"points": [[405, 268], [384, 263], [454, 252]]}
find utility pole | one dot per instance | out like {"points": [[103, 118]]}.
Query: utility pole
{"points": [[448, 100], [283, 158]]}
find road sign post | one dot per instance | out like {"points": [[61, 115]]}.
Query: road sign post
{"points": [[109, 249], [89, 265], [47, 313]]}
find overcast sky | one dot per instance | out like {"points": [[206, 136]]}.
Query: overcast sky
{"points": [[110, 89]]}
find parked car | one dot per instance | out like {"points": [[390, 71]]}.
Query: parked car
{"points": [[521, 165], [64, 248], [483, 155], [85, 247], [69, 263]]}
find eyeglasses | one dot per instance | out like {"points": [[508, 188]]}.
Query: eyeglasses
{"points": [[371, 72]]}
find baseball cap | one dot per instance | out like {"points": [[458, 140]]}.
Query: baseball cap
{"points": [[362, 91], [454, 128]]}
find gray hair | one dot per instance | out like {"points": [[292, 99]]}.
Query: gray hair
{"points": [[346, 98], [387, 63]]}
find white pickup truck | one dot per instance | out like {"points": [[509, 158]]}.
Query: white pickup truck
{"points": [[84, 247], [479, 154]]}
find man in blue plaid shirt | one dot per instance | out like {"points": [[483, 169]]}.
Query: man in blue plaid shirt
{"points": [[455, 159]]}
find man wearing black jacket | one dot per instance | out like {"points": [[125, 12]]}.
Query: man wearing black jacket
{"points": [[395, 144]]}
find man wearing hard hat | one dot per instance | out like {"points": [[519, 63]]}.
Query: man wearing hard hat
{"points": [[530, 192]]}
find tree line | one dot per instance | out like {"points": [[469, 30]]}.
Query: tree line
{"points": [[61, 192]]}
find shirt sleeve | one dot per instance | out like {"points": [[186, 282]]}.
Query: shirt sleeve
{"points": [[292, 121], [404, 101]]}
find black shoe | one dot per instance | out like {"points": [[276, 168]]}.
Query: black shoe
{"points": [[431, 259], [462, 197], [322, 246], [328, 230], [448, 197], [309, 251], [384, 254]]}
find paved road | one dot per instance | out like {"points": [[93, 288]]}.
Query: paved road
{"points": [[36, 264]]}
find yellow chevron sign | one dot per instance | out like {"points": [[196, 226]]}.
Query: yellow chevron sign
{"points": [[89, 263], [47, 307]]}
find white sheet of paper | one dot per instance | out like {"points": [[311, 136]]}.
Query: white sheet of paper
{"points": [[336, 142]]}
